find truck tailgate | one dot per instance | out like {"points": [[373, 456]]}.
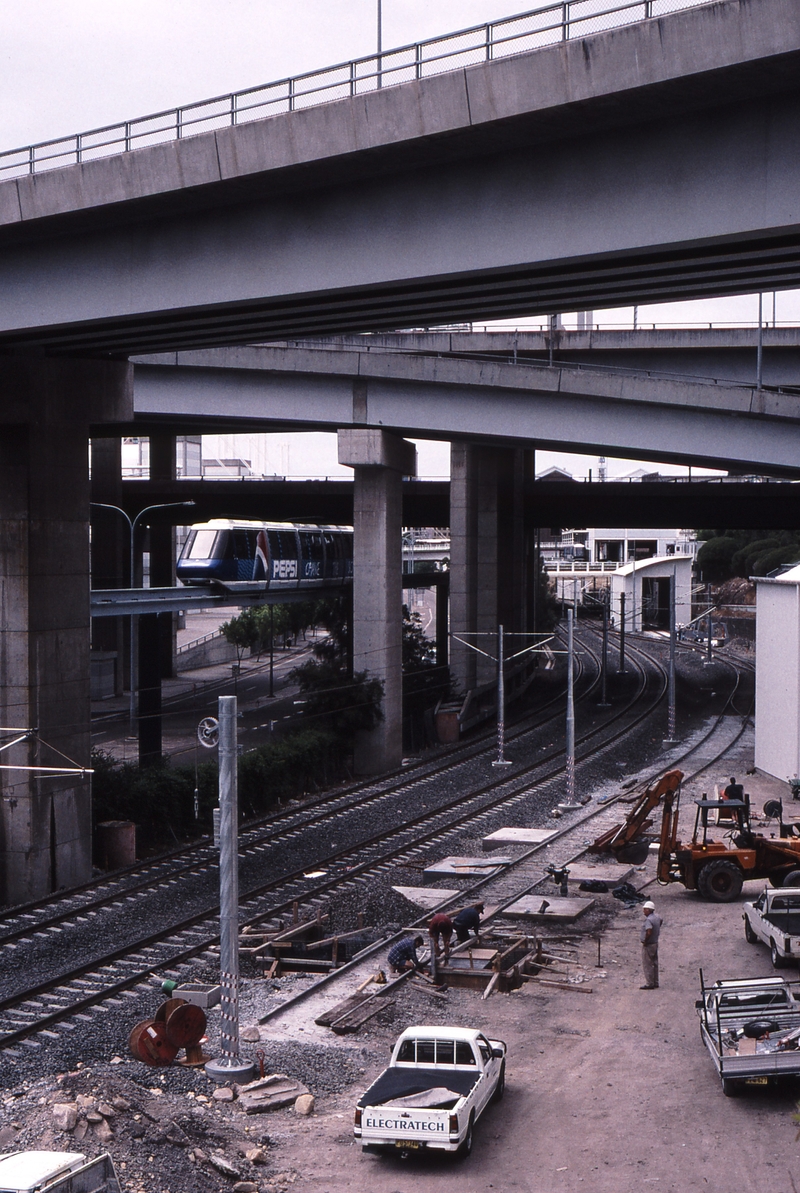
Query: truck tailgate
{"points": [[386, 1123]]}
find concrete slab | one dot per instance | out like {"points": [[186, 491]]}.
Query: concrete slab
{"points": [[425, 897], [560, 910], [463, 867], [605, 872], [516, 836]]}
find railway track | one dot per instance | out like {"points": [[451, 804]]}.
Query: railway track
{"points": [[37, 1007], [30, 1013], [526, 874], [198, 857]]}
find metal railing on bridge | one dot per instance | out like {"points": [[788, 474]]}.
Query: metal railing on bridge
{"points": [[518, 34]]}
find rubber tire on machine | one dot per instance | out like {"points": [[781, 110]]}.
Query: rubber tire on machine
{"points": [[500, 1088], [778, 961], [466, 1147], [720, 881], [749, 934], [729, 1088], [792, 878]]}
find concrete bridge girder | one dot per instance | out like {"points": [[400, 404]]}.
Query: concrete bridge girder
{"points": [[375, 211], [621, 413]]}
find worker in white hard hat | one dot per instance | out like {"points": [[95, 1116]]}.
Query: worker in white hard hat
{"points": [[651, 929]]}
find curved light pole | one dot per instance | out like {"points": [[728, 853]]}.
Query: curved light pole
{"points": [[132, 524]]}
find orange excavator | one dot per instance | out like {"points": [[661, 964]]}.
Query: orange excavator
{"points": [[713, 868]]}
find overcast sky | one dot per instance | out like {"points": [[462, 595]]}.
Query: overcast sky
{"points": [[73, 65]]}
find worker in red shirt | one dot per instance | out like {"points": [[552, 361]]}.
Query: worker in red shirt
{"points": [[440, 927]]}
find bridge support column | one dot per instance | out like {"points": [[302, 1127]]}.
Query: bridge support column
{"points": [[380, 461], [46, 408], [488, 571]]}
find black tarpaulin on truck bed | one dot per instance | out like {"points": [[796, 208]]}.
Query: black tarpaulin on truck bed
{"points": [[399, 1082]]}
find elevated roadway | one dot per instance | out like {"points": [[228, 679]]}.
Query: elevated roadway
{"points": [[652, 161], [546, 503], [615, 412]]}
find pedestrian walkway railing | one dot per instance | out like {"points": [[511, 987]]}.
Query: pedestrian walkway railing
{"points": [[531, 30], [187, 646]]}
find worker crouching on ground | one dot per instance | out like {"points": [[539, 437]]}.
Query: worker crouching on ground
{"points": [[469, 918], [651, 929], [440, 929], [404, 954]]}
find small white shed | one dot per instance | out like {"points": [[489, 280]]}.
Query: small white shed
{"points": [[778, 674], [645, 584]]}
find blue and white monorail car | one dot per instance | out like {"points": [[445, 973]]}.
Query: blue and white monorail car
{"points": [[277, 555]]}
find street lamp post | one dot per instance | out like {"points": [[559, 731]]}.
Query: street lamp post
{"points": [[132, 524]]}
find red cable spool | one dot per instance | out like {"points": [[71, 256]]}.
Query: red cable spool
{"points": [[148, 1042], [186, 1026]]}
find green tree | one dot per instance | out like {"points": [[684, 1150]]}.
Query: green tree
{"points": [[242, 632], [715, 557]]}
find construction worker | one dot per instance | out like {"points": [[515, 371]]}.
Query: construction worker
{"points": [[470, 917], [441, 926], [404, 954], [650, 931]]}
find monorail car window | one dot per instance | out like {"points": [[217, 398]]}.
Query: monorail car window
{"points": [[311, 546], [282, 544], [202, 545], [243, 544]]}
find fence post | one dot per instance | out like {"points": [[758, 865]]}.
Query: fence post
{"points": [[488, 43], [290, 86], [565, 21]]}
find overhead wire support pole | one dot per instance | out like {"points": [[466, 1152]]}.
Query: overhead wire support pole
{"points": [[229, 1066], [671, 718], [621, 633], [570, 711], [604, 661], [501, 759], [760, 349], [708, 626]]}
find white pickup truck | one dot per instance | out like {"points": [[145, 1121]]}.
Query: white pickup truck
{"points": [[57, 1172], [774, 918], [751, 1028], [438, 1083]]}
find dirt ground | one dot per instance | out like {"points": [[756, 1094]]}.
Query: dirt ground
{"points": [[611, 1090]]}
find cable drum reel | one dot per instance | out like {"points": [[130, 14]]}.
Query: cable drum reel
{"points": [[177, 1024]]}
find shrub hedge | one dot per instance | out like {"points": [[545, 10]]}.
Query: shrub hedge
{"points": [[160, 799]]}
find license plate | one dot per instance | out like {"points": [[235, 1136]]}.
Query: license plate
{"points": [[757, 1081], [409, 1145]]}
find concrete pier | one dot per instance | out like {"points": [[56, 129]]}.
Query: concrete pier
{"points": [[488, 556], [380, 461], [47, 409]]}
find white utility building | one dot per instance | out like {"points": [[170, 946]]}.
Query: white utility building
{"points": [[645, 585], [778, 674]]}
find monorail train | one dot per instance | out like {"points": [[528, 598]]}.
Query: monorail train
{"points": [[275, 554]]}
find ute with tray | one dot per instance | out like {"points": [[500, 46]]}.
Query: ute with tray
{"points": [[751, 1029]]}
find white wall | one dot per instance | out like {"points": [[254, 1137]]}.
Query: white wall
{"points": [[777, 679]]}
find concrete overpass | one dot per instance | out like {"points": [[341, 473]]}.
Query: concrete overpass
{"points": [[652, 161], [606, 411], [565, 504]]}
